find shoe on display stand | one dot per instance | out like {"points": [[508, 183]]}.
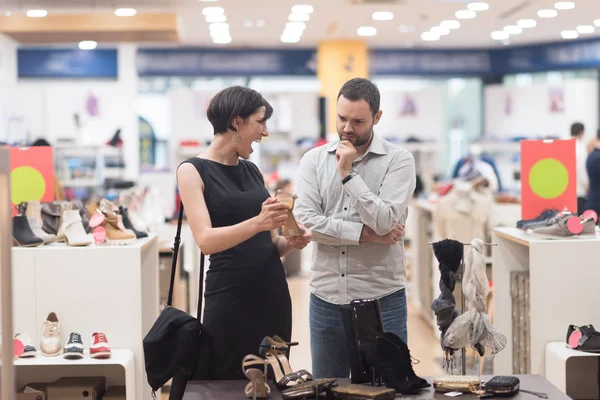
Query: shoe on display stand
{"points": [[37, 230], [50, 343], [28, 347], [585, 338], [127, 223], [99, 347], [566, 226], [74, 347], [73, 229], [540, 221], [23, 236]]}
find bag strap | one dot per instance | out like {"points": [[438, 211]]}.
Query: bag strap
{"points": [[174, 266]]}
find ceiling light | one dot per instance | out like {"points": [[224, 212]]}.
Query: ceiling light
{"points": [[88, 45], [564, 5], [382, 16], [429, 37], [366, 31], [406, 28], [465, 14], [586, 29], [290, 39], [440, 30], [219, 27], [299, 17], [296, 26], [597, 22], [260, 23], [210, 18], [212, 10], [569, 34], [450, 24], [125, 12], [302, 9], [527, 23], [8, 13], [248, 23], [37, 13], [513, 29], [549, 13], [500, 35], [479, 6], [222, 40]]}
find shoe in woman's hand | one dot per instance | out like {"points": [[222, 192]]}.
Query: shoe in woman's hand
{"points": [[272, 215]]}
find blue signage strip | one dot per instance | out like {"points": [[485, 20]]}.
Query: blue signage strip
{"points": [[234, 62], [404, 62], [67, 63]]}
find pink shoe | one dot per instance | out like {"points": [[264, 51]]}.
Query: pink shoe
{"points": [[99, 347]]}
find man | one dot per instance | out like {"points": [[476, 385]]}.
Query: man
{"points": [[353, 196], [581, 154]]}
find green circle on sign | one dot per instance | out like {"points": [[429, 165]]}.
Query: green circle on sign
{"points": [[26, 183], [548, 178]]}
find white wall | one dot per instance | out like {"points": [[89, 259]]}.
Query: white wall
{"points": [[531, 113]]}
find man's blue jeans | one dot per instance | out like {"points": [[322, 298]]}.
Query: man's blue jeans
{"points": [[328, 347]]}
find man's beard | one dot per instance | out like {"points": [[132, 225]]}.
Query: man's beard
{"points": [[359, 141]]}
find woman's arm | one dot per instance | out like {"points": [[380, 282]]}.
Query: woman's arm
{"points": [[287, 245], [213, 240], [281, 244]]}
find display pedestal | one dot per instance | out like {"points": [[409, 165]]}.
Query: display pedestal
{"points": [[563, 276], [572, 371], [110, 289]]}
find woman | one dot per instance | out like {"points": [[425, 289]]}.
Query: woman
{"points": [[593, 170], [235, 220]]}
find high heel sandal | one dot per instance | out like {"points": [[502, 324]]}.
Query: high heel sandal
{"points": [[284, 376], [257, 388], [291, 227]]}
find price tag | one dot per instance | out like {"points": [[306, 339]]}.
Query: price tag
{"points": [[453, 394]]}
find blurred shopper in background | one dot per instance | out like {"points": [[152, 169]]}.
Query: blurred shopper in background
{"points": [[581, 155], [593, 170]]}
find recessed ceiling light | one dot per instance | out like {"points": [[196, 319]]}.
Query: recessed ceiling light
{"points": [[450, 24], [290, 39], [527, 23], [569, 34], [406, 28], [302, 9], [210, 18], [296, 26], [564, 5], [513, 29], [219, 27], [300, 17], [248, 23], [8, 13], [597, 22], [478, 6], [366, 31], [500, 35], [586, 29], [429, 37], [37, 13], [125, 12], [212, 10], [440, 30], [548, 13], [88, 45], [465, 14], [222, 40], [260, 23], [382, 16]]}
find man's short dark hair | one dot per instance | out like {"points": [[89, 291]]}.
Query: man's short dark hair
{"points": [[361, 89], [235, 101], [577, 129]]}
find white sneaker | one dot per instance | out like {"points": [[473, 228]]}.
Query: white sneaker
{"points": [[29, 350], [50, 344]]}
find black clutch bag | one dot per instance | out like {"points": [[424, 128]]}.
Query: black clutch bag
{"points": [[505, 386], [362, 392]]}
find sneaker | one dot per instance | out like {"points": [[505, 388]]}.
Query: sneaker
{"points": [[99, 347], [541, 220], [584, 338], [50, 344], [29, 350], [74, 347]]}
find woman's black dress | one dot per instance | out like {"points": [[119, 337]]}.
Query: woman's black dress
{"points": [[246, 292]]}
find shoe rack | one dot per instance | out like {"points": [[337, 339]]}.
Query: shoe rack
{"points": [[112, 289]]}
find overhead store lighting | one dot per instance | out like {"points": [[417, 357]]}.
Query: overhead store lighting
{"points": [[597, 22], [219, 27], [406, 28], [37, 13], [548, 13], [222, 39], [513, 30], [299, 17], [212, 10], [450, 24], [290, 39], [569, 34], [210, 18], [465, 14], [382, 16], [564, 5], [440, 31], [366, 31], [296, 26], [125, 12], [429, 37], [583, 29], [302, 9], [527, 23], [500, 35], [8, 13], [88, 45], [478, 6]]}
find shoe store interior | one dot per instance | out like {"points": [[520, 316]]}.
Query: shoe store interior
{"points": [[143, 143]]}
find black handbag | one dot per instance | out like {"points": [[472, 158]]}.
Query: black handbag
{"points": [[505, 386], [175, 342]]}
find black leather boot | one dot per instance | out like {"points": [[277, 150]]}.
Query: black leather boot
{"points": [[129, 225], [362, 324], [418, 383], [22, 233]]}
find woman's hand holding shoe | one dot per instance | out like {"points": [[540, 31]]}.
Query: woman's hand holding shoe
{"points": [[273, 215], [299, 242]]}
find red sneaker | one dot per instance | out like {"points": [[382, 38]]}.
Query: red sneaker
{"points": [[99, 347]]}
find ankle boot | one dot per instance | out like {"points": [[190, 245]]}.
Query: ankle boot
{"points": [[114, 234], [128, 225], [393, 365], [418, 382], [362, 324], [37, 230], [22, 233], [73, 230], [34, 210]]}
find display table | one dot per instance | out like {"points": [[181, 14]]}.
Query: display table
{"points": [[563, 276], [234, 390], [110, 289], [572, 371]]}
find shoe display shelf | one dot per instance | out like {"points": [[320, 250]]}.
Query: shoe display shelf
{"points": [[563, 278], [110, 289], [119, 369], [577, 373]]}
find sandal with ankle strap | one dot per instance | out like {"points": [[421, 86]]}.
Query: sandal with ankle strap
{"points": [[257, 388], [291, 227], [274, 352]]}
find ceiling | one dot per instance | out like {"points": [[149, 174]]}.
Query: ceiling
{"points": [[338, 19]]}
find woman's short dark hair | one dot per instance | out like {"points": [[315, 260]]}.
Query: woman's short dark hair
{"points": [[235, 101], [361, 89]]}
